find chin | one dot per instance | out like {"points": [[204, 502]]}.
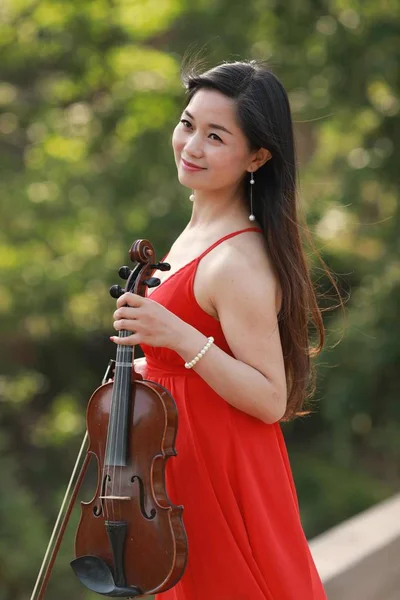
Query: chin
{"points": [[185, 177], [185, 183]]}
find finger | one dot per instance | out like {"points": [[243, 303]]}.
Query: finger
{"points": [[126, 324], [125, 312], [129, 298], [130, 340]]}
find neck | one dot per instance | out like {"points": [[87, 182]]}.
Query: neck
{"points": [[211, 209]]}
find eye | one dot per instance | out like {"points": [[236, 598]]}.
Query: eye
{"points": [[217, 136], [187, 123]]}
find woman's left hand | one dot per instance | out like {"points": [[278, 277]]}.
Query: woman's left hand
{"points": [[150, 322]]}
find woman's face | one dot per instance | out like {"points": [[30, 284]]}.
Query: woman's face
{"points": [[208, 136]]}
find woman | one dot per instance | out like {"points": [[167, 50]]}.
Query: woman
{"points": [[226, 333]]}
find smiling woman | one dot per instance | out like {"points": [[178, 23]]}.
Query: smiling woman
{"points": [[227, 333], [224, 155]]}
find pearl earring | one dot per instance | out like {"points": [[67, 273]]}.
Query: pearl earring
{"points": [[251, 216], [191, 197]]}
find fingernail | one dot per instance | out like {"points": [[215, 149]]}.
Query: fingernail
{"points": [[112, 338]]}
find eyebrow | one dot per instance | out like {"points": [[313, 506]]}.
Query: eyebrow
{"points": [[213, 125]]}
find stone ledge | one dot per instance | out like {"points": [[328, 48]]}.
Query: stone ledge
{"points": [[359, 559]]}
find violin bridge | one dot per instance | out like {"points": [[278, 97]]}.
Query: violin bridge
{"points": [[115, 497]]}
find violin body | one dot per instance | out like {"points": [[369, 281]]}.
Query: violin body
{"points": [[131, 540]]}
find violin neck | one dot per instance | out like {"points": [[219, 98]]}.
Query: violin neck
{"points": [[117, 435]]}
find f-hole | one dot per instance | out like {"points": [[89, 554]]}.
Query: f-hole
{"points": [[142, 499]]}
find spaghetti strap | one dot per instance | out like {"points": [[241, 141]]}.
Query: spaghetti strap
{"points": [[229, 235]]}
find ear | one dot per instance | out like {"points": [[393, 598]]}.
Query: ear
{"points": [[259, 159]]}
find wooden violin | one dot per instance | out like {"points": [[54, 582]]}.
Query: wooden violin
{"points": [[130, 540]]}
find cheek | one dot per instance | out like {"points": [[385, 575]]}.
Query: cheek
{"points": [[229, 166], [177, 140], [226, 159]]}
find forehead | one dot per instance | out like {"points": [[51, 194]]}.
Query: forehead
{"points": [[213, 107]]}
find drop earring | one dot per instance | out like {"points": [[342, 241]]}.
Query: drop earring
{"points": [[251, 216], [191, 197]]}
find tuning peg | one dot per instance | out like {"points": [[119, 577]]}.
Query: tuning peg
{"points": [[152, 282], [161, 266], [124, 272], [116, 291]]}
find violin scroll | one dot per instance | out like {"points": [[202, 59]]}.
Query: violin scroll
{"points": [[141, 252]]}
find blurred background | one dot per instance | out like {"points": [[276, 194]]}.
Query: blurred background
{"points": [[89, 96]]}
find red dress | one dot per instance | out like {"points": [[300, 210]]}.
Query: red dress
{"points": [[233, 477]]}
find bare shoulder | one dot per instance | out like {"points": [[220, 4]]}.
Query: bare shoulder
{"points": [[243, 261], [245, 295]]}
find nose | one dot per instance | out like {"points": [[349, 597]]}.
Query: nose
{"points": [[193, 146]]}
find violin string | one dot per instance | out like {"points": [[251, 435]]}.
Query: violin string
{"points": [[103, 502], [121, 398], [109, 469], [127, 377], [121, 391], [116, 419], [110, 445], [104, 474], [123, 357]]}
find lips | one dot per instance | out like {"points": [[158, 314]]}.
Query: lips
{"points": [[189, 164]]}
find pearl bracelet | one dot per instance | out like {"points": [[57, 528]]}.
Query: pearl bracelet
{"points": [[189, 365]]}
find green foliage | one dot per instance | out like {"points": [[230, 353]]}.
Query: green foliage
{"points": [[89, 96], [322, 506]]}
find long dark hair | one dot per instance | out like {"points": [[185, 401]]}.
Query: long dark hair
{"points": [[263, 112]]}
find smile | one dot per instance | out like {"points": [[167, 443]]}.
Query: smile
{"points": [[190, 167]]}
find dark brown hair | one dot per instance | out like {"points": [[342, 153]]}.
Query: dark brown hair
{"points": [[263, 112]]}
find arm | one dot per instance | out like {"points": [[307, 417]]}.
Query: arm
{"points": [[244, 295]]}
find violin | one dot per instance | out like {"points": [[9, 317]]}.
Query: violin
{"points": [[131, 539]]}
